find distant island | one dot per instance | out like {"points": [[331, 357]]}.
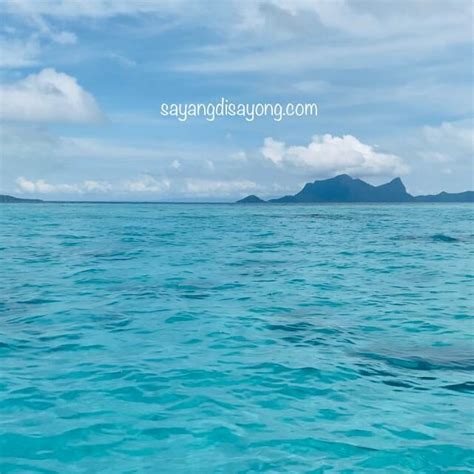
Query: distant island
{"points": [[340, 189], [345, 189], [252, 199], [5, 198]]}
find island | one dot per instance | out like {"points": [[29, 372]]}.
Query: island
{"points": [[5, 198], [252, 199], [345, 189]]}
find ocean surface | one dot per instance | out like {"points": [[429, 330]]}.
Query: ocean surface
{"points": [[149, 338]]}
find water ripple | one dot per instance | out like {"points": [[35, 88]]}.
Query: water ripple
{"points": [[199, 339]]}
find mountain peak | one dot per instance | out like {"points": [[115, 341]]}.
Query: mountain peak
{"points": [[252, 199], [344, 188], [342, 177], [395, 184], [396, 181]]}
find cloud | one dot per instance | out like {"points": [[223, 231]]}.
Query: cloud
{"points": [[448, 142], [316, 54], [24, 50], [17, 53], [95, 186], [328, 155], [147, 184], [144, 184], [41, 186], [239, 156], [359, 19], [92, 9], [350, 16], [57, 36], [48, 96], [321, 33], [207, 187]]}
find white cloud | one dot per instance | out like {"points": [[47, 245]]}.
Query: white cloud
{"points": [[46, 31], [144, 184], [21, 51], [336, 33], [147, 184], [360, 19], [66, 9], [41, 186], [141, 184], [96, 186], [451, 134], [175, 164], [328, 155], [369, 18], [26, 185], [448, 142], [273, 150], [48, 96]]}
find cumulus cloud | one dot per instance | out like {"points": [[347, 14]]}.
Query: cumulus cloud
{"points": [[48, 96], [329, 155]]}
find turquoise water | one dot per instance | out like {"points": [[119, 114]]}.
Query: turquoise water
{"points": [[236, 339]]}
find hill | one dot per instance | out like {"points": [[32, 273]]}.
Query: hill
{"points": [[344, 188]]}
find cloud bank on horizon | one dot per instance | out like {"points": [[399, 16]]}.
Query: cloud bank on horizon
{"points": [[81, 84]]}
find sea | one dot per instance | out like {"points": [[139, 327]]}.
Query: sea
{"points": [[214, 338]]}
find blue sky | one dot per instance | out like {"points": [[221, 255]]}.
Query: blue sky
{"points": [[81, 85]]}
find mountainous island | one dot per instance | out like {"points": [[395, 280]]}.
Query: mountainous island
{"points": [[344, 188]]}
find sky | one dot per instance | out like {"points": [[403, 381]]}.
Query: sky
{"points": [[82, 84]]}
